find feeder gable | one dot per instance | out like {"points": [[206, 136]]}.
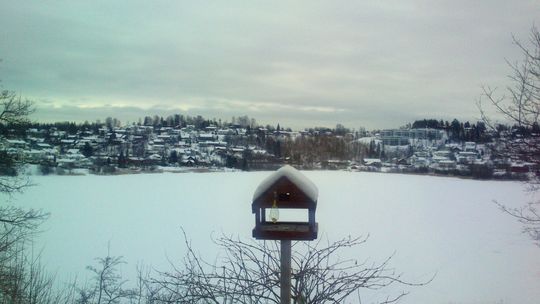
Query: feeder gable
{"points": [[287, 195], [302, 192]]}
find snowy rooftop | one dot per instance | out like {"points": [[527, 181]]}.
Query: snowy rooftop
{"points": [[295, 176]]}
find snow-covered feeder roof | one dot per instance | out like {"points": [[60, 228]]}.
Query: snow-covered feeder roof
{"points": [[290, 188]]}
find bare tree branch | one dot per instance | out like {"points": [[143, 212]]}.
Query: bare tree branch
{"points": [[14, 109], [529, 216], [521, 107], [248, 272]]}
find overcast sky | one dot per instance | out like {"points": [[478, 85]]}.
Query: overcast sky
{"points": [[376, 64]]}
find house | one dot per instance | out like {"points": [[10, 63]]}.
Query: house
{"points": [[395, 137], [16, 144], [43, 146], [373, 162], [335, 164], [403, 137], [35, 156], [466, 157], [522, 167], [470, 146], [446, 165], [402, 162], [188, 161], [418, 161]]}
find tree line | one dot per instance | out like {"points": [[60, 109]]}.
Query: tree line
{"points": [[456, 130]]}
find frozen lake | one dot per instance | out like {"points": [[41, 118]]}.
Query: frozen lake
{"points": [[446, 226]]}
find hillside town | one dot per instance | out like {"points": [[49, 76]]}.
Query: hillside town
{"points": [[195, 144]]}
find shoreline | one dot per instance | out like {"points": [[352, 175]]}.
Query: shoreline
{"points": [[33, 170]]}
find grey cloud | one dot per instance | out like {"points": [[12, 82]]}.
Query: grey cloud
{"points": [[375, 63], [360, 115]]}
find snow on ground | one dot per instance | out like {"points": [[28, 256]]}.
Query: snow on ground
{"points": [[434, 225]]}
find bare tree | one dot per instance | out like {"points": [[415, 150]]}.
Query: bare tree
{"points": [[529, 216], [14, 112], [520, 105], [28, 282], [17, 226], [22, 277], [248, 272], [108, 284], [145, 291], [14, 109]]}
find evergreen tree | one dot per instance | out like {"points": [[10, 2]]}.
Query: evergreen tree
{"points": [[122, 160], [87, 150], [173, 158]]}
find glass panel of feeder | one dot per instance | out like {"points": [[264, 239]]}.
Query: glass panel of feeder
{"points": [[289, 215]]}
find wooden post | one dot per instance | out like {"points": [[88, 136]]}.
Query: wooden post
{"points": [[285, 272]]}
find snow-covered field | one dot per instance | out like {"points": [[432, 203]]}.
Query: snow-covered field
{"points": [[435, 225]]}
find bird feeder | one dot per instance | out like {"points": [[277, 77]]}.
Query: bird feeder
{"points": [[286, 188]]}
